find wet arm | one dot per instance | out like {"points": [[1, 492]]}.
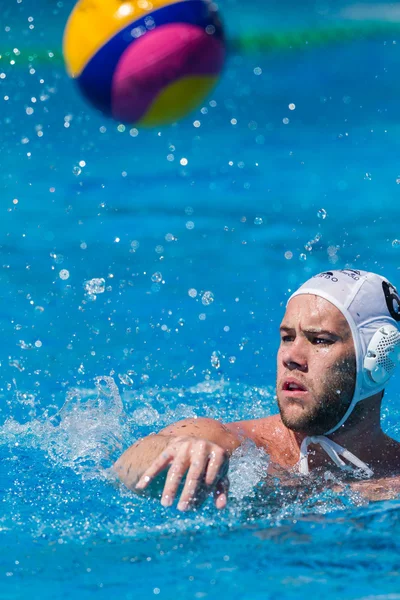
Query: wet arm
{"points": [[139, 457]]}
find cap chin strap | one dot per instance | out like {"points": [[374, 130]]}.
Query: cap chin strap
{"points": [[334, 451], [383, 353]]}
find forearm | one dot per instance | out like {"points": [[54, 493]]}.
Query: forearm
{"points": [[137, 458]]}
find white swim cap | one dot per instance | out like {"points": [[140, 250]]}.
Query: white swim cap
{"points": [[371, 306]]}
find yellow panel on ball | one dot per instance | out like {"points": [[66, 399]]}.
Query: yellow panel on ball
{"points": [[179, 98], [92, 23]]}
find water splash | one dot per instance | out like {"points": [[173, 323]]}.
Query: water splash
{"points": [[90, 433], [86, 435], [248, 466]]}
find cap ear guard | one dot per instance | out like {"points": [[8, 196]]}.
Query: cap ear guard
{"points": [[383, 354]]}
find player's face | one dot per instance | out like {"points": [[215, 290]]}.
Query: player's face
{"points": [[316, 365]]}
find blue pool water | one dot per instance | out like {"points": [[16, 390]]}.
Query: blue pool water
{"points": [[237, 210]]}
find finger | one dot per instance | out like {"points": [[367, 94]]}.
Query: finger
{"points": [[221, 493], [178, 468], [217, 465], [194, 478], [157, 466]]}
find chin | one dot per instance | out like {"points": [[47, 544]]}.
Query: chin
{"points": [[299, 425], [294, 419]]}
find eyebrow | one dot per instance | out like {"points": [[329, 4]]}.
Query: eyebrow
{"points": [[313, 330]]}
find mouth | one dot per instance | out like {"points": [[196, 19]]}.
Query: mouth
{"points": [[293, 387]]}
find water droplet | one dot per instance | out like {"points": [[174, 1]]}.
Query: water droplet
{"points": [[232, 359], [17, 365], [207, 298], [288, 255], [95, 286], [258, 221], [156, 277], [63, 274], [215, 359], [192, 292], [308, 246], [77, 171], [58, 258], [303, 257], [396, 243], [125, 379], [322, 213], [190, 225]]}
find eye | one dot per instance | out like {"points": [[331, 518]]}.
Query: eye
{"points": [[287, 338], [325, 341]]}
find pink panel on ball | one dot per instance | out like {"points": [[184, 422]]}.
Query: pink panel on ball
{"points": [[158, 58]]}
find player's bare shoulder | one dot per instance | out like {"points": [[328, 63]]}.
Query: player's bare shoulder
{"points": [[268, 433]]}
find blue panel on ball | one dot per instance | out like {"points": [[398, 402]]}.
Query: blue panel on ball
{"points": [[95, 82]]}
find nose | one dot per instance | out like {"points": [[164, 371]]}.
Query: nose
{"points": [[294, 356]]}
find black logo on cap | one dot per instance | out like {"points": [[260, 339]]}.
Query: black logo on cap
{"points": [[327, 275], [392, 300], [351, 273]]}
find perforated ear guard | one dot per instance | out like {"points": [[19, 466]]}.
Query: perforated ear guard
{"points": [[383, 354]]}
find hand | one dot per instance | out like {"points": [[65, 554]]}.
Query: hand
{"points": [[205, 465]]}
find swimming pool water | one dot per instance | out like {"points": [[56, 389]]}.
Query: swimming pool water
{"points": [[196, 234]]}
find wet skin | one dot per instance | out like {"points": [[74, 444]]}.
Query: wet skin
{"points": [[315, 385]]}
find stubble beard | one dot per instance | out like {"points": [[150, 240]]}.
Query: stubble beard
{"points": [[332, 403]]}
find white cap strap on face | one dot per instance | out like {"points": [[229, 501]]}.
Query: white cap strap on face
{"points": [[334, 452]]}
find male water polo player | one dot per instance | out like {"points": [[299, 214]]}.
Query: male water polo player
{"points": [[340, 344]]}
